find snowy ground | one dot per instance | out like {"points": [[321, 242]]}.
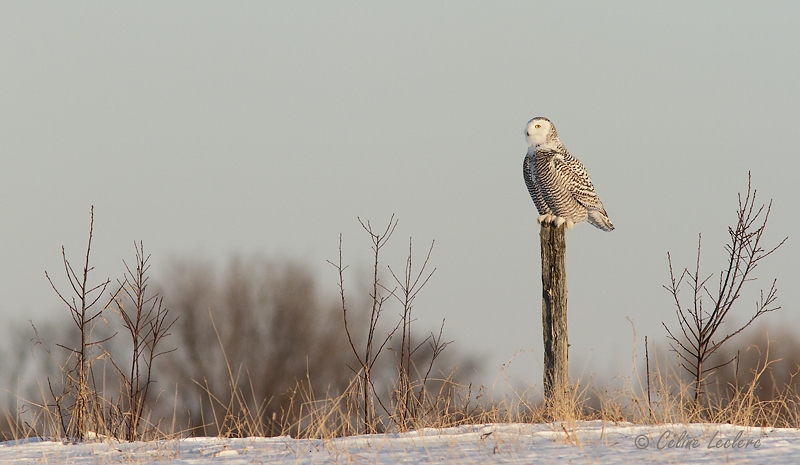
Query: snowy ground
{"points": [[587, 442]]}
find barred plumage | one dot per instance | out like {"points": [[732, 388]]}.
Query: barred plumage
{"points": [[558, 182]]}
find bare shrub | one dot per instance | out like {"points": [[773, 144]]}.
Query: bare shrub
{"points": [[699, 337], [146, 322], [423, 389]]}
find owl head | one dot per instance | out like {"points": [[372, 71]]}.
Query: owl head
{"points": [[541, 132]]}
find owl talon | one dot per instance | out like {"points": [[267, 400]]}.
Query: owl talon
{"points": [[546, 218]]}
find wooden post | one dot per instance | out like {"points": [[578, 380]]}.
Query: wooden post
{"points": [[554, 312]]}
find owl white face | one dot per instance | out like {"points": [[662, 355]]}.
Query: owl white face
{"points": [[537, 131]]}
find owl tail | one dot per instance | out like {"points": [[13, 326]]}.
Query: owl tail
{"points": [[599, 219]]}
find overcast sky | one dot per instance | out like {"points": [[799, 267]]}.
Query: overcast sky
{"points": [[212, 129]]}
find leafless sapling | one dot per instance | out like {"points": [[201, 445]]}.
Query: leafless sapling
{"points": [[147, 322], [697, 338], [82, 308], [408, 286], [368, 355]]}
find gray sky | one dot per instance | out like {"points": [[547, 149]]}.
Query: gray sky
{"points": [[209, 129]]}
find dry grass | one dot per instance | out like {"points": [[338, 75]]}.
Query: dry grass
{"points": [[322, 416], [671, 400]]}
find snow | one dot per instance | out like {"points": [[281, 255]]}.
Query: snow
{"points": [[581, 442]]}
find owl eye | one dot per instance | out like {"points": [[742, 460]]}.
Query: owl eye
{"points": [[538, 126]]}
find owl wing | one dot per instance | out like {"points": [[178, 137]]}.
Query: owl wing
{"points": [[578, 182], [533, 187]]}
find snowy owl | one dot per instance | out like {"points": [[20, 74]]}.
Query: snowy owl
{"points": [[558, 182]]}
